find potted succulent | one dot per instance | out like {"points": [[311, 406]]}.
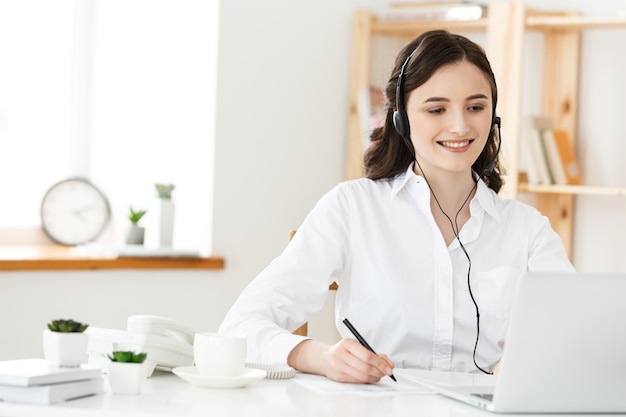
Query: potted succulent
{"points": [[136, 233], [164, 191], [127, 371], [65, 343], [166, 228]]}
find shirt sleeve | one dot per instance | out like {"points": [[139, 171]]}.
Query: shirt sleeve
{"points": [[547, 253], [289, 291]]}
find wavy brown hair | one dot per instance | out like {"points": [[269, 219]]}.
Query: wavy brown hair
{"points": [[389, 154]]}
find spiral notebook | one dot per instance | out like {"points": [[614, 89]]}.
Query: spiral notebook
{"points": [[274, 370]]}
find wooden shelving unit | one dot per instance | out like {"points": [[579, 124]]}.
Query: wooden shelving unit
{"points": [[505, 27]]}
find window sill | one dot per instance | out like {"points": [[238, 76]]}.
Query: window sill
{"points": [[56, 257]]}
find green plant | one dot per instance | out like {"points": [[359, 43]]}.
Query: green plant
{"points": [[135, 216], [67, 326], [127, 356], [164, 190]]}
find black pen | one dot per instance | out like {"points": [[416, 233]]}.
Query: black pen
{"points": [[361, 340]]}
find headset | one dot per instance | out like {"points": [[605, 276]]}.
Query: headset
{"points": [[401, 124], [400, 118]]}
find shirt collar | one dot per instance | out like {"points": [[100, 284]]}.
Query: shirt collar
{"points": [[401, 180], [485, 196]]}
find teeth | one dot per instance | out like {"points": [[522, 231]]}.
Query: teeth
{"points": [[455, 144]]}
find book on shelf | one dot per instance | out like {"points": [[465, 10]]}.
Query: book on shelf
{"points": [[567, 156], [533, 156], [547, 154], [51, 393], [552, 155], [457, 11], [36, 371], [411, 3]]}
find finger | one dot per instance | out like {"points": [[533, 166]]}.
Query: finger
{"points": [[380, 361], [390, 363], [344, 366], [365, 363]]}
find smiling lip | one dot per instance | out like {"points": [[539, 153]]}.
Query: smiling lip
{"points": [[456, 145]]}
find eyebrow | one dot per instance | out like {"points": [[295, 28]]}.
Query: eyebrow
{"points": [[472, 97]]}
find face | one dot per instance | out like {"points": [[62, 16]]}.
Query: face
{"points": [[450, 118]]}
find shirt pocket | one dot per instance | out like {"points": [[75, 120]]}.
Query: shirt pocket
{"points": [[496, 290]]}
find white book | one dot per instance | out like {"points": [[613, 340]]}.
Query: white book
{"points": [[554, 158], [29, 372], [52, 393], [533, 154], [539, 152], [436, 12], [529, 160], [541, 159]]}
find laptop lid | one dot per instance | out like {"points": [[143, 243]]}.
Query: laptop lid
{"points": [[565, 349]]}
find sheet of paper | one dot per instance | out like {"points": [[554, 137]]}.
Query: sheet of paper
{"points": [[448, 378], [386, 386]]}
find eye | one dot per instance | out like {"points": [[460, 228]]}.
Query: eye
{"points": [[476, 107], [436, 111]]}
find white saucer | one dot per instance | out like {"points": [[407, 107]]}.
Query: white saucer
{"points": [[190, 374]]}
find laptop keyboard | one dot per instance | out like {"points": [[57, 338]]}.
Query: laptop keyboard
{"points": [[488, 397]]}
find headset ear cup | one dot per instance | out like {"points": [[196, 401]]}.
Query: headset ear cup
{"points": [[400, 123]]}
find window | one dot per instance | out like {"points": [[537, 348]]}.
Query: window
{"points": [[121, 92]]}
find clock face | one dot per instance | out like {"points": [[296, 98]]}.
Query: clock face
{"points": [[74, 211]]}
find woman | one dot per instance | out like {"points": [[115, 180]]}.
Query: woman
{"points": [[426, 255]]}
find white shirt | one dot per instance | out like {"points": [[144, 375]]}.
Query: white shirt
{"points": [[399, 284]]}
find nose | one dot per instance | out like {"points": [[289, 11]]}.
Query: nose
{"points": [[458, 124]]}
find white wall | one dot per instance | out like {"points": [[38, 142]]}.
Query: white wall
{"points": [[283, 81], [281, 106]]}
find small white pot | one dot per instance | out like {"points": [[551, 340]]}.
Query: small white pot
{"points": [[66, 350], [126, 378], [135, 235]]}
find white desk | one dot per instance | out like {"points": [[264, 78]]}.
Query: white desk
{"points": [[167, 395]]}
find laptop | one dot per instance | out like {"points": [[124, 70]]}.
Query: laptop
{"points": [[565, 350]]}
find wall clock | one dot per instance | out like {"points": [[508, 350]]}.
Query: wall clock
{"points": [[74, 211]]}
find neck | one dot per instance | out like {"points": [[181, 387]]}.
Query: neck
{"points": [[451, 189]]}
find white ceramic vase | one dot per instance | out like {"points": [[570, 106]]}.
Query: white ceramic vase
{"points": [[166, 227], [126, 377], [66, 350], [135, 235]]}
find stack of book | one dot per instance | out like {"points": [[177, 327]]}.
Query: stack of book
{"points": [[32, 381], [548, 154], [447, 10]]}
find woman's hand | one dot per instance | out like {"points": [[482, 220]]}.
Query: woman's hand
{"points": [[345, 361]]}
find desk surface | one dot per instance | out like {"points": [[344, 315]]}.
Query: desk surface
{"points": [[165, 394]]}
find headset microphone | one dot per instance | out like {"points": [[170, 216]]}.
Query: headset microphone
{"points": [[491, 165]]}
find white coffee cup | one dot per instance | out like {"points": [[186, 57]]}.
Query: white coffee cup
{"points": [[219, 354]]}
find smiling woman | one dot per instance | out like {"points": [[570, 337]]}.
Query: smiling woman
{"points": [[118, 92]]}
